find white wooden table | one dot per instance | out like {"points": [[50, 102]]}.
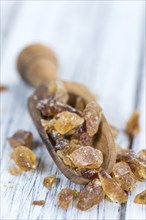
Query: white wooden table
{"points": [[98, 43]]}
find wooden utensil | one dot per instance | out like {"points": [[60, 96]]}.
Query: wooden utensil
{"points": [[37, 64], [104, 139]]}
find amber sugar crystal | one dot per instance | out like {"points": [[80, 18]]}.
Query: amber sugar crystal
{"points": [[24, 158], [39, 202], [65, 197], [111, 188], [92, 115], [50, 106], [91, 195], [142, 155], [141, 198], [132, 125], [124, 176], [21, 138], [66, 121], [138, 167], [3, 88], [49, 181], [86, 157]]}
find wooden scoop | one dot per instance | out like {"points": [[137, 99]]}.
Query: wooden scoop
{"points": [[104, 138]]}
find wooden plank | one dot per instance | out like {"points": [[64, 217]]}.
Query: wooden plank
{"points": [[92, 49], [6, 14], [138, 144], [9, 14]]}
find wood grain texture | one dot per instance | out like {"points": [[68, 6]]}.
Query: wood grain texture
{"points": [[97, 43]]}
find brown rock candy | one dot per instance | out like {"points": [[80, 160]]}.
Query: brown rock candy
{"points": [[50, 107], [3, 88], [79, 131], [137, 167], [132, 125], [89, 174], [24, 158], [39, 202], [47, 124], [49, 181], [140, 198], [86, 157], [65, 197], [111, 188], [85, 139], [55, 135], [61, 143], [92, 115], [20, 138], [142, 155], [65, 159], [91, 195], [123, 175], [63, 154], [120, 150], [67, 121]]}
